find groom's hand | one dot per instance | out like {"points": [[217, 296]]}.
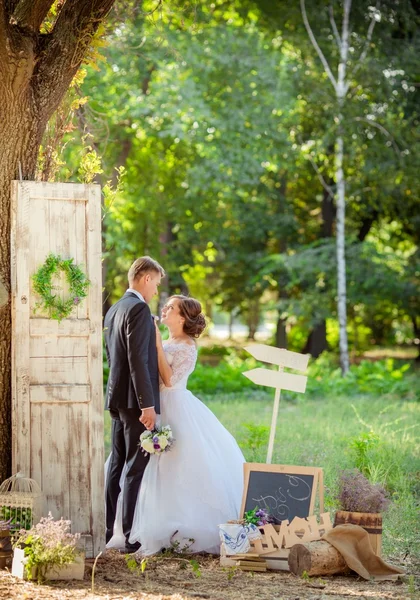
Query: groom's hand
{"points": [[148, 418]]}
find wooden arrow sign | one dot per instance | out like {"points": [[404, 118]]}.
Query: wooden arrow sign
{"points": [[277, 379], [279, 356]]}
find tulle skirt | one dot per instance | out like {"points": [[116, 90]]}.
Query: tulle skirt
{"points": [[191, 489]]}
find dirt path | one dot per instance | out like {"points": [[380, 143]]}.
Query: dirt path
{"points": [[178, 579]]}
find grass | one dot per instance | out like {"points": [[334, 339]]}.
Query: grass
{"points": [[377, 432]]}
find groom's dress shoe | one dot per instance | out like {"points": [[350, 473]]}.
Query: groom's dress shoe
{"points": [[131, 548]]}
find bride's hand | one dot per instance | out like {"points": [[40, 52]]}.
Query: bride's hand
{"points": [[158, 334]]}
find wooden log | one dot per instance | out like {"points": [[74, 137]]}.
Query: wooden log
{"points": [[316, 558]]}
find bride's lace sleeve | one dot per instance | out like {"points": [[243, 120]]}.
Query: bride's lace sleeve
{"points": [[183, 362]]}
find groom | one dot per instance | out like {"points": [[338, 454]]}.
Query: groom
{"points": [[132, 396]]}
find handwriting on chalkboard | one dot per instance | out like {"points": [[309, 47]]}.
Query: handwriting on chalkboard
{"points": [[278, 503]]}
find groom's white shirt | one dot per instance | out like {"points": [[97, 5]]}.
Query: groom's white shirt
{"points": [[139, 296]]}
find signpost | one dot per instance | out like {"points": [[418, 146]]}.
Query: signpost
{"points": [[278, 380]]}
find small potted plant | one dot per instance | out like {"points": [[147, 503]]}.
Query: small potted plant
{"points": [[5, 543], [257, 516], [362, 503], [48, 551]]}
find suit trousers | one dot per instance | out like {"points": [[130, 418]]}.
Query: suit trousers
{"points": [[125, 434]]}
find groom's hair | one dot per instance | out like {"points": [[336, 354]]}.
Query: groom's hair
{"points": [[144, 265]]}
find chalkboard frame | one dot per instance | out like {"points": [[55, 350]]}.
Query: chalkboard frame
{"points": [[317, 487]]}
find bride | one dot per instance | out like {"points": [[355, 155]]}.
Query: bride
{"points": [[186, 492]]}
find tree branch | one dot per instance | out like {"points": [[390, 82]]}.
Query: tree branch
{"points": [[334, 26], [369, 34], [63, 50], [324, 184], [315, 45], [383, 130], [31, 13]]}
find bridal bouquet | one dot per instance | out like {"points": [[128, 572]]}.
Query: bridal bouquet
{"points": [[157, 441]]}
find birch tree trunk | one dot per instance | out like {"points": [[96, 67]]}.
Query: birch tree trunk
{"points": [[341, 255], [340, 85], [341, 91], [36, 70]]}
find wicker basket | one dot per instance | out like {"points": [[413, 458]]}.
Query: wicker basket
{"points": [[21, 501]]}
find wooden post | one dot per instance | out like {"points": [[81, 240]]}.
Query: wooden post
{"points": [[274, 422]]}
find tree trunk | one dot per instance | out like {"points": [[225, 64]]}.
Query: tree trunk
{"points": [[327, 211], [316, 558], [230, 325], [316, 343], [253, 317], [341, 91], [340, 86], [341, 257], [36, 70], [281, 335], [20, 136], [416, 331]]}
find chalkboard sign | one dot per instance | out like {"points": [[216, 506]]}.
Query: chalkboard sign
{"points": [[284, 491]]}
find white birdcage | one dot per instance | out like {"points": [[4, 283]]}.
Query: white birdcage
{"points": [[21, 502]]}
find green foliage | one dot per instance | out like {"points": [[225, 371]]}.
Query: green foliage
{"points": [[225, 378], [134, 566], [231, 572], [204, 126], [382, 377], [44, 287], [90, 165], [19, 517], [195, 567], [361, 445], [255, 438]]}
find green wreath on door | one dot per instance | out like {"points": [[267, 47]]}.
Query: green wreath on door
{"points": [[43, 286]]}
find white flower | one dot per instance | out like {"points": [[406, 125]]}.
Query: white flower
{"points": [[144, 435], [163, 441], [147, 445]]}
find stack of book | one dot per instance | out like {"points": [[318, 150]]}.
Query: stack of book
{"points": [[250, 562]]}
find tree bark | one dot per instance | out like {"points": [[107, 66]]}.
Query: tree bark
{"points": [[20, 136], [253, 317], [341, 256], [341, 91], [35, 72], [316, 343], [281, 335]]}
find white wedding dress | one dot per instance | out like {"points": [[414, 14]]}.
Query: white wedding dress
{"points": [[197, 485]]}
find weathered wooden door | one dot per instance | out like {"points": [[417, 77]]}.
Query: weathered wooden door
{"points": [[57, 409]]}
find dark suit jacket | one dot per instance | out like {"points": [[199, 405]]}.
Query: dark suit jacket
{"points": [[130, 340]]}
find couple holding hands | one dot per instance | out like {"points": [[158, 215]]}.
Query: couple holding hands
{"points": [[181, 496]]}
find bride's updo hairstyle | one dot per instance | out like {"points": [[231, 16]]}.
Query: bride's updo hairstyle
{"points": [[190, 310]]}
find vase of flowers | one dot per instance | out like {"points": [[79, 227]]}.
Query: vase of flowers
{"points": [[257, 516], [362, 503], [48, 551]]}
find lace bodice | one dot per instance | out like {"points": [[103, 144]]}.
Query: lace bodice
{"points": [[182, 358]]}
